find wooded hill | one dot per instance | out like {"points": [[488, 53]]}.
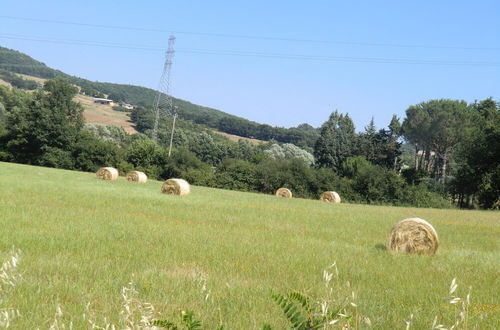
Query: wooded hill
{"points": [[304, 135]]}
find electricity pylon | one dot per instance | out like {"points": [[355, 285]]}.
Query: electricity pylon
{"points": [[163, 100]]}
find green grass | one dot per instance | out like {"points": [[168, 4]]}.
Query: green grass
{"points": [[83, 239]]}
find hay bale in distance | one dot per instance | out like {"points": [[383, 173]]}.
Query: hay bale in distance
{"points": [[413, 235], [330, 197], [137, 176], [284, 192], [176, 187], [107, 173]]}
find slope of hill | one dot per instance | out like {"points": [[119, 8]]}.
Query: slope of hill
{"points": [[83, 239], [105, 114], [17, 62], [93, 113]]}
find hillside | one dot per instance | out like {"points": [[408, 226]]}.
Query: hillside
{"points": [[304, 135], [93, 113], [104, 114], [83, 239]]}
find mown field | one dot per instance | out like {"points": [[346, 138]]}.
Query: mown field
{"points": [[83, 239]]}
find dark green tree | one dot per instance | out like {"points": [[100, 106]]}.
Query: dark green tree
{"points": [[335, 142], [477, 179], [435, 128], [395, 127], [50, 121], [366, 142]]}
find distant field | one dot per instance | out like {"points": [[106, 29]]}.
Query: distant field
{"points": [[4, 83], [104, 114], [236, 138], [37, 79], [83, 239]]}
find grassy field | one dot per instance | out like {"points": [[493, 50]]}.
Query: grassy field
{"points": [[236, 138], [104, 114], [83, 239]]}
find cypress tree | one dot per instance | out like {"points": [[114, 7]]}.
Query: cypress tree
{"points": [[335, 142]]}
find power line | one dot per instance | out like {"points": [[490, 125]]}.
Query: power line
{"points": [[80, 42], [378, 60], [309, 57], [256, 37]]}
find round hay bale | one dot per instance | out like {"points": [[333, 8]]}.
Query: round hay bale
{"points": [[107, 173], [330, 197], [284, 192], [413, 235], [175, 187], [137, 176]]}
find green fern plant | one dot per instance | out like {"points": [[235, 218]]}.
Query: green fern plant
{"points": [[303, 314], [297, 310], [337, 309]]}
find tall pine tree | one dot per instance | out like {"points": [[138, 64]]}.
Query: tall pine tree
{"points": [[335, 142]]}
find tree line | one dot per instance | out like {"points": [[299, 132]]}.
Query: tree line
{"points": [[444, 152]]}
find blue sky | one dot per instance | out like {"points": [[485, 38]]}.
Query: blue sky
{"points": [[276, 90]]}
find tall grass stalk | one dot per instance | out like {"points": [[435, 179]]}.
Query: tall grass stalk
{"points": [[9, 277]]}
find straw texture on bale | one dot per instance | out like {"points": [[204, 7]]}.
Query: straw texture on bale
{"points": [[413, 235], [284, 192], [175, 187], [107, 173], [330, 197], [137, 176]]}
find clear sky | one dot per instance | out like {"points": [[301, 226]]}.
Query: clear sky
{"points": [[367, 58]]}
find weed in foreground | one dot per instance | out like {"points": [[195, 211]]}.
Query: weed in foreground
{"points": [[9, 277]]}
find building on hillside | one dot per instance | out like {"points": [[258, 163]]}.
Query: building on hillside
{"points": [[127, 106], [104, 101]]}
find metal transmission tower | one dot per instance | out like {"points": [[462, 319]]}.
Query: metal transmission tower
{"points": [[163, 100]]}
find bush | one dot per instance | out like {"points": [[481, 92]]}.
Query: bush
{"points": [[489, 190], [90, 153], [327, 179], [184, 164], [54, 157], [108, 133], [293, 174], [421, 196], [237, 174], [372, 183], [289, 151], [148, 157]]}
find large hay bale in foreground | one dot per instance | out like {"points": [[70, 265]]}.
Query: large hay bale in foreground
{"points": [[413, 235], [330, 197], [107, 173], [137, 176], [175, 187], [284, 192]]}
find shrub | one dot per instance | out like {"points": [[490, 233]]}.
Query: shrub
{"points": [[184, 164], [289, 151], [90, 153], [148, 157], [113, 134], [373, 183], [237, 175], [55, 157], [421, 196], [293, 174]]}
